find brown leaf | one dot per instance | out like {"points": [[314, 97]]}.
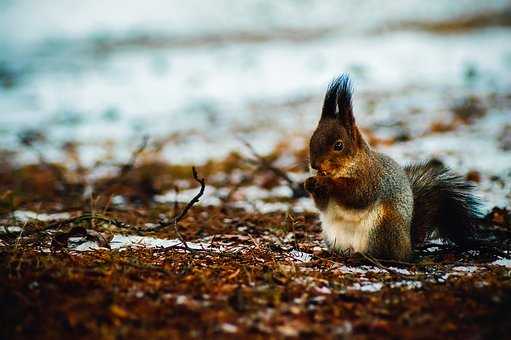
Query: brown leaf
{"points": [[119, 312]]}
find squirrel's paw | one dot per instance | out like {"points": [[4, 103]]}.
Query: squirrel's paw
{"points": [[311, 184], [316, 184]]}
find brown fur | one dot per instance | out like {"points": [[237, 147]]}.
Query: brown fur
{"points": [[388, 241]]}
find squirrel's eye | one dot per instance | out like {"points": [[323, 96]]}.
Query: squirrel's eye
{"points": [[338, 146]]}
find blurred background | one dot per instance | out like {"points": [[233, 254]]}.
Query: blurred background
{"points": [[431, 78]]}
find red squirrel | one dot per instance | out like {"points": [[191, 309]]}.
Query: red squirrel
{"points": [[370, 204]]}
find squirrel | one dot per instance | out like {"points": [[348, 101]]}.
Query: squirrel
{"points": [[368, 203]]}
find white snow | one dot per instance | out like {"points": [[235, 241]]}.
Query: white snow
{"points": [[26, 215], [223, 244], [10, 229], [408, 284], [123, 241], [211, 196], [503, 262], [300, 256], [466, 269], [323, 290], [371, 269], [367, 286], [228, 327]]}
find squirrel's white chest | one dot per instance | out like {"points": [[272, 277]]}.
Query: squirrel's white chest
{"points": [[348, 228]]}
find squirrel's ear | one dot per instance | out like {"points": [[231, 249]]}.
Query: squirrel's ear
{"points": [[330, 103], [337, 102]]}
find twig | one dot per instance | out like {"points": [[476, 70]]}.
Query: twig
{"points": [[244, 181], [144, 266], [195, 199], [56, 171], [174, 221], [205, 251], [402, 263], [374, 261], [85, 217], [297, 188], [127, 167], [266, 164]]}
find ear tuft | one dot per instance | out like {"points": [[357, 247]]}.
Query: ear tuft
{"points": [[344, 93], [338, 95]]}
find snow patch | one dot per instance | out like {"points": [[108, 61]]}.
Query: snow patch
{"points": [[126, 241], [10, 229], [466, 269], [367, 286], [503, 262], [300, 256], [26, 215]]}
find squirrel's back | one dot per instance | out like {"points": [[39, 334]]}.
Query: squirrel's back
{"points": [[395, 185]]}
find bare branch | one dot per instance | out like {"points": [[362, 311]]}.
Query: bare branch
{"points": [[125, 168], [297, 188], [174, 221]]}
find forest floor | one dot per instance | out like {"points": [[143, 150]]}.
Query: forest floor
{"points": [[150, 249]]}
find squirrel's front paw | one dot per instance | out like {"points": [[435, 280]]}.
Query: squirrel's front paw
{"points": [[310, 184], [316, 184]]}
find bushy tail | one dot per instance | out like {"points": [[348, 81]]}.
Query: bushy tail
{"points": [[443, 202]]}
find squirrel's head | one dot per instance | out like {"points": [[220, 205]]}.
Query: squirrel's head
{"points": [[336, 141]]}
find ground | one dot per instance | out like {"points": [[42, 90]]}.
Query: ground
{"points": [[107, 232], [246, 260]]}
